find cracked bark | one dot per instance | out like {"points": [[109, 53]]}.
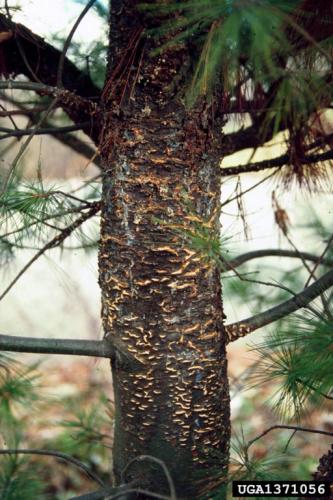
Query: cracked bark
{"points": [[159, 297]]}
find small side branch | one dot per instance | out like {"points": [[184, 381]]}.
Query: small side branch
{"points": [[240, 329], [96, 348], [79, 109], [294, 428], [96, 495], [56, 241], [25, 53], [40, 88], [66, 138], [68, 40], [111, 348], [249, 137], [279, 162], [56, 454], [7, 132], [273, 252]]}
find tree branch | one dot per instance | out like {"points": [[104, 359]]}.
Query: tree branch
{"points": [[252, 137], [240, 329], [110, 347], [56, 241], [79, 109], [57, 454], [320, 260], [96, 348], [68, 41], [291, 427], [24, 146], [70, 140], [239, 195], [249, 137], [70, 211], [40, 88], [97, 495], [272, 252], [309, 24], [43, 59], [41, 63], [279, 162], [21, 112], [41, 131]]}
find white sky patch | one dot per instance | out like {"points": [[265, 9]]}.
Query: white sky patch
{"points": [[47, 17]]}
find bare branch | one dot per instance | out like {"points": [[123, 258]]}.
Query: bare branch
{"points": [[233, 198], [72, 141], [68, 42], [25, 53], [80, 107], [72, 210], [279, 162], [57, 454], [23, 112], [96, 348], [41, 131], [43, 59], [291, 427], [320, 260], [223, 265], [97, 495], [249, 137], [272, 252], [10, 117], [40, 88], [25, 145], [80, 147], [240, 329], [111, 347]]}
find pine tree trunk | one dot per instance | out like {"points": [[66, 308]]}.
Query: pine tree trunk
{"points": [[161, 300]]}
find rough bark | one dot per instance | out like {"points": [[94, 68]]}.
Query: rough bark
{"points": [[160, 298], [324, 470]]}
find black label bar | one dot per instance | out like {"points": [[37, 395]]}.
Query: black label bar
{"points": [[306, 489]]}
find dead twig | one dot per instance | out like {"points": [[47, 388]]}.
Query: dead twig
{"points": [[56, 454]]}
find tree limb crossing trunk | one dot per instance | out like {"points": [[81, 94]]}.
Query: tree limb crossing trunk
{"points": [[159, 298]]}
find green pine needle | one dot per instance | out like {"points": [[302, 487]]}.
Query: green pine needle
{"points": [[299, 360]]}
